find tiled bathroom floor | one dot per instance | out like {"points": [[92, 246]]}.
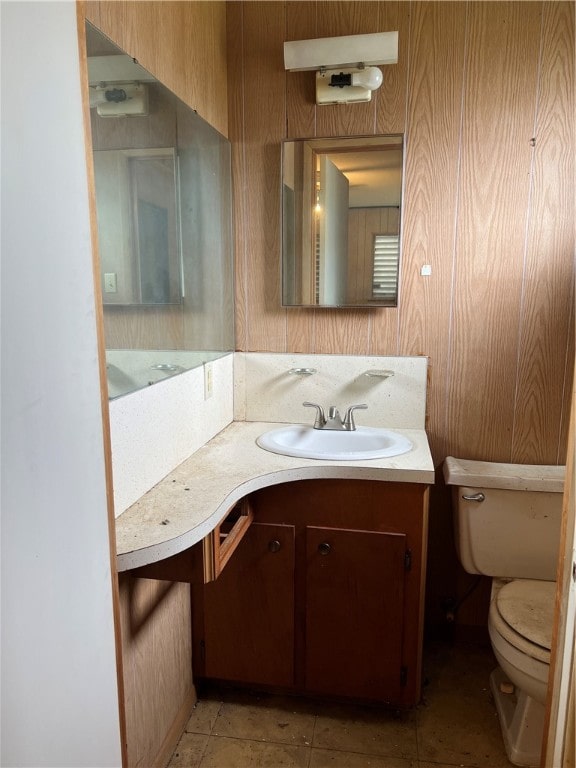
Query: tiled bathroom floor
{"points": [[455, 725]]}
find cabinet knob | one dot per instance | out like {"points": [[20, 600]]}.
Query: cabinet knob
{"points": [[274, 546], [324, 548]]}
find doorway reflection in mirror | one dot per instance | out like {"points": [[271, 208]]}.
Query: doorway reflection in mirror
{"points": [[341, 221]]}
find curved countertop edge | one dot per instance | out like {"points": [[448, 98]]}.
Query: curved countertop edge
{"points": [[236, 489]]}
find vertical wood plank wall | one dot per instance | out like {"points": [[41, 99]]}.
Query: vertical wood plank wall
{"points": [[157, 654], [483, 93], [184, 45]]}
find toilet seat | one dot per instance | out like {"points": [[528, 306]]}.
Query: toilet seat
{"points": [[523, 614]]}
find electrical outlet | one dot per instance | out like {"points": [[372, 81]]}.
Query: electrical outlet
{"points": [[207, 380]]}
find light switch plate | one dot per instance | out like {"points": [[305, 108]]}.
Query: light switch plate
{"points": [[110, 282]]}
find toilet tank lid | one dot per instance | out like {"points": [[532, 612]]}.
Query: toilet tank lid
{"points": [[515, 477]]}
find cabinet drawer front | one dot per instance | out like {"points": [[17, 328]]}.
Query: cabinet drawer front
{"points": [[226, 537], [354, 612]]}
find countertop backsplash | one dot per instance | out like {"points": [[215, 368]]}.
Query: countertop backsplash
{"points": [[272, 387], [156, 428]]}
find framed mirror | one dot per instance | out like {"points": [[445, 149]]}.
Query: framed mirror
{"points": [[341, 209]]}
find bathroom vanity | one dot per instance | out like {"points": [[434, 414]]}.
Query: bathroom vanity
{"points": [[306, 575], [323, 595]]}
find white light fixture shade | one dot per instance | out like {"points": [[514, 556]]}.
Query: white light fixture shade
{"points": [[348, 50]]}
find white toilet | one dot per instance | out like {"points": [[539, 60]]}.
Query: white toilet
{"points": [[507, 525]]}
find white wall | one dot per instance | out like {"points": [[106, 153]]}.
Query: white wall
{"points": [[59, 694]]}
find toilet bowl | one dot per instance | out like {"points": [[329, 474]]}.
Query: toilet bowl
{"points": [[507, 526], [520, 627]]}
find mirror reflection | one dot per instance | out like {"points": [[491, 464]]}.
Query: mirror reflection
{"points": [[138, 225], [341, 204], [163, 204]]}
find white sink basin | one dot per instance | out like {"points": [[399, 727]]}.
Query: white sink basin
{"points": [[332, 445]]}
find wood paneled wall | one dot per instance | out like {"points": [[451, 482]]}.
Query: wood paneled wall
{"points": [[157, 654], [484, 95], [183, 44]]}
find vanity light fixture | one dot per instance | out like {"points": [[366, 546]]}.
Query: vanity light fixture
{"points": [[345, 70], [117, 86], [119, 99]]}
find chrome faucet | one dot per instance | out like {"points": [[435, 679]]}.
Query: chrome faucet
{"points": [[334, 420]]}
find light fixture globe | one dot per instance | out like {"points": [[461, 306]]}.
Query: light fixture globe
{"points": [[369, 77]]}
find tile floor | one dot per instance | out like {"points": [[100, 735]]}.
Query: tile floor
{"points": [[455, 725]]}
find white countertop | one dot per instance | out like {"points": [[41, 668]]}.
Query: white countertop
{"points": [[189, 502]]}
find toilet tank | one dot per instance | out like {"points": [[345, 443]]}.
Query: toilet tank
{"points": [[510, 528]]}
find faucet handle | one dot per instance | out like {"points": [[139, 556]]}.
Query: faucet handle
{"points": [[349, 417], [320, 418]]}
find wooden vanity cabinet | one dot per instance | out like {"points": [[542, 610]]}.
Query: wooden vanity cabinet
{"points": [[324, 594]]}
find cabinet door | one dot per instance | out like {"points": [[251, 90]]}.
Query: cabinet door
{"points": [[248, 611], [354, 613]]}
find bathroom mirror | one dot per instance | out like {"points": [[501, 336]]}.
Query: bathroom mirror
{"points": [[164, 213], [341, 206]]}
